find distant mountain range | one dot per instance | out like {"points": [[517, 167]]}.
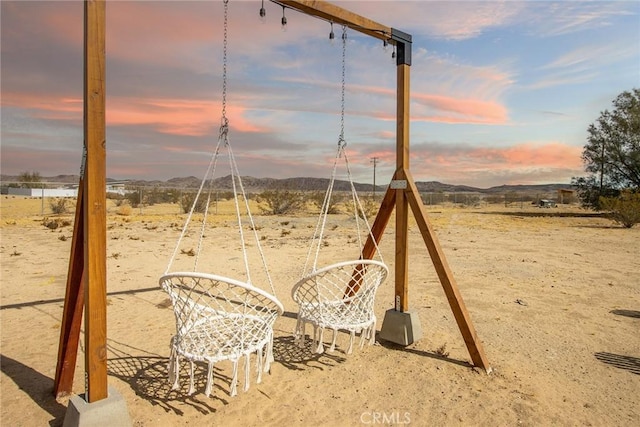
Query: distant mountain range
{"points": [[252, 184]]}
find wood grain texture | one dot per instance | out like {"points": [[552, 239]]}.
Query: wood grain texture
{"points": [[95, 231]]}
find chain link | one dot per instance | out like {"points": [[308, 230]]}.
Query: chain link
{"points": [[341, 141], [224, 64]]}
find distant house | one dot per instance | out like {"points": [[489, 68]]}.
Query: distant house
{"points": [[67, 191], [43, 192], [116, 187], [565, 195]]}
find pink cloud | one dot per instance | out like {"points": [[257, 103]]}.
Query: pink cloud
{"points": [[177, 116], [553, 154], [45, 106], [64, 24], [55, 20], [451, 109], [386, 156], [162, 33], [518, 164], [172, 116], [445, 109]]}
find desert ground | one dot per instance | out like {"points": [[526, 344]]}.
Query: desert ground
{"points": [[555, 301]]}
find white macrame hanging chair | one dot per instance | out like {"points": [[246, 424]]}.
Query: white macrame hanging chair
{"points": [[339, 296], [219, 318]]}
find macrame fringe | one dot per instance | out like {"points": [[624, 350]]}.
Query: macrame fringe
{"points": [[351, 339], [372, 332], [333, 341], [259, 363], [234, 379], [247, 363], [364, 334], [192, 386], [269, 357], [320, 348], [174, 369], [367, 335], [263, 364], [300, 333], [207, 390]]}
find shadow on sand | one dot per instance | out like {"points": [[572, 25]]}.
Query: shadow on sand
{"points": [[61, 300], [36, 385], [628, 363], [627, 313], [148, 374], [397, 347]]}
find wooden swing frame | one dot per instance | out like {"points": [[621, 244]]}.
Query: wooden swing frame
{"points": [[87, 275]]}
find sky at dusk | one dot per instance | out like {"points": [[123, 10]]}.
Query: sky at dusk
{"points": [[502, 92]]}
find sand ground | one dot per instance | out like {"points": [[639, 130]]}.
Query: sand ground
{"points": [[554, 300]]}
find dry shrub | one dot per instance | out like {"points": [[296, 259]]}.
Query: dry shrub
{"points": [[50, 224], [123, 210], [59, 206], [318, 199], [624, 209], [442, 351], [187, 201], [53, 224], [189, 252], [280, 202], [369, 207]]}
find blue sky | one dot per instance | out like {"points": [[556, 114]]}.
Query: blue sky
{"points": [[501, 92]]}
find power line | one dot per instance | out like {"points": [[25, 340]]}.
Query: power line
{"points": [[374, 160]]}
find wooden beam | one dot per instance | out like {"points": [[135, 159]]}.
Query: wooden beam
{"points": [[73, 306], [95, 219], [338, 15], [401, 301], [446, 278], [373, 240], [403, 119], [379, 224]]}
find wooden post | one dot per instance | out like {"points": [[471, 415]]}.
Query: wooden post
{"points": [[446, 278], [95, 220], [73, 305], [401, 301], [379, 224]]}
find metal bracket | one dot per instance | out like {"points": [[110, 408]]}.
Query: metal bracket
{"points": [[403, 44], [398, 184]]}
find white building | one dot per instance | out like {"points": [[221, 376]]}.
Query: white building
{"points": [[72, 191]]}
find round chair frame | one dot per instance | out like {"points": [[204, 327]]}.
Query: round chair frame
{"points": [[218, 318], [340, 296]]}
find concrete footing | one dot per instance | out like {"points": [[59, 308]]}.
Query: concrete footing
{"points": [[401, 327], [111, 411]]}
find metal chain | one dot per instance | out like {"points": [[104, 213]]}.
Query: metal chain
{"points": [[83, 165], [224, 64], [341, 141]]}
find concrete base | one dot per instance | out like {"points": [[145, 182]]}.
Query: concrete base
{"points": [[111, 411], [401, 327]]}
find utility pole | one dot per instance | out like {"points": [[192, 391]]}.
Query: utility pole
{"points": [[601, 168], [374, 160]]}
